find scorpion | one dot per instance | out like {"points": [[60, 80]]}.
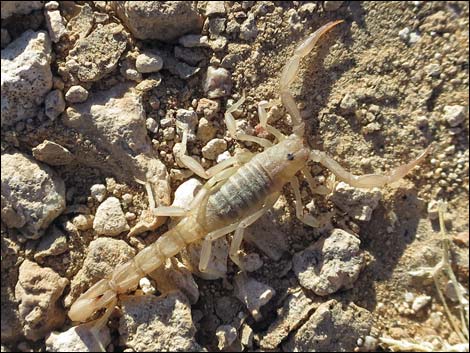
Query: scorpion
{"points": [[239, 191]]}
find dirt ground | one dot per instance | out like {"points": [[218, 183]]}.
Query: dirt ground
{"points": [[400, 82]]}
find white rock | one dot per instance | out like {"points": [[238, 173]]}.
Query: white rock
{"points": [[218, 82], [55, 24], [76, 94], [213, 148], [358, 203], [109, 218], [148, 62], [205, 131], [188, 117], [26, 76], [404, 34], [79, 338], [98, 191], [38, 291], [454, 114], [414, 38], [252, 293], [215, 8], [248, 29], [223, 156], [52, 153], [420, 302], [51, 5], [33, 195], [151, 125], [146, 286], [54, 104], [157, 324], [185, 193], [226, 334], [194, 40], [329, 264]]}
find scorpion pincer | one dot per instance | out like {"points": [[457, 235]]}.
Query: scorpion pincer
{"points": [[239, 191]]}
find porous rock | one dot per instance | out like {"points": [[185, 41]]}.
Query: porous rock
{"points": [[109, 218], [52, 153], [252, 293], [97, 54], [161, 20], [26, 76], [333, 327], [114, 120], [329, 264], [38, 291], [156, 324], [358, 203], [103, 255], [297, 307], [78, 339], [33, 195]]}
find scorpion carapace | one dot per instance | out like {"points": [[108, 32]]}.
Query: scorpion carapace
{"points": [[239, 191]]}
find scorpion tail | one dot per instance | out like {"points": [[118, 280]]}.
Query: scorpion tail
{"points": [[99, 296]]}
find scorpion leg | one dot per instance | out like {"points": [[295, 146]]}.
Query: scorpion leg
{"points": [[368, 180], [232, 126], [196, 167], [290, 71], [207, 244], [234, 252], [305, 218]]}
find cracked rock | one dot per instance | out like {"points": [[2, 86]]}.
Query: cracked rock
{"points": [[33, 195], [252, 293], [103, 255], [161, 20], [26, 76], [52, 153], [156, 324], [333, 327], [38, 291], [358, 203], [109, 218]]}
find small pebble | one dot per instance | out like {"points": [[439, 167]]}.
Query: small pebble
{"points": [[332, 5], [454, 114], [420, 302], [54, 104], [76, 94], [148, 62], [213, 148], [151, 125], [98, 191]]}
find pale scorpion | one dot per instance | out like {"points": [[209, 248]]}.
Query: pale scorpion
{"points": [[239, 191]]}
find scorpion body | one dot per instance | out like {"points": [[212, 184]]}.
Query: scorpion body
{"points": [[238, 192]]}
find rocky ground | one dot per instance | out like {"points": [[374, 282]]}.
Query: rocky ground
{"points": [[91, 94]]}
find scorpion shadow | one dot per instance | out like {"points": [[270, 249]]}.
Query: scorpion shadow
{"points": [[385, 248]]}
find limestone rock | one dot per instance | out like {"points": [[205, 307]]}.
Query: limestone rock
{"points": [[109, 218], [154, 324], [33, 195], [26, 76], [52, 153], [333, 327], [38, 291], [161, 20], [329, 264]]}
